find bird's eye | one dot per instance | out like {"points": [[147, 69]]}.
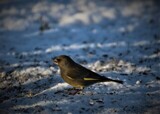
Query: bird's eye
{"points": [[58, 60]]}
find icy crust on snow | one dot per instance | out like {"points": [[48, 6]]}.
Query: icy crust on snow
{"points": [[119, 40]]}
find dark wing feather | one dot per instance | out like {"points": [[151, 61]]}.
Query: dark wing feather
{"points": [[81, 73]]}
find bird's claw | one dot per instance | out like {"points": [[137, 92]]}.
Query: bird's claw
{"points": [[74, 91]]}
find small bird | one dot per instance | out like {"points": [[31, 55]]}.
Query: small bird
{"points": [[77, 75]]}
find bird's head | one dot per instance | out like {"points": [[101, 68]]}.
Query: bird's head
{"points": [[62, 60]]}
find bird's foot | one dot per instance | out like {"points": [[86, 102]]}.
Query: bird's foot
{"points": [[74, 91]]}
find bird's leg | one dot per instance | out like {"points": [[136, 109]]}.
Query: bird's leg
{"points": [[70, 89], [76, 91]]}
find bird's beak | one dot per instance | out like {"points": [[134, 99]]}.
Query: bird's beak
{"points": [[55, 60]]}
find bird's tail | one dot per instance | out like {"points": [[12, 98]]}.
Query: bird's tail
{"points": [[111, 80]]}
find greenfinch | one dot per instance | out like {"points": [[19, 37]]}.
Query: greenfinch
{"points": [[77, 75]]}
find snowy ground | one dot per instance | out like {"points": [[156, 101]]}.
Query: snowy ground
{"points": [[120, 40]]}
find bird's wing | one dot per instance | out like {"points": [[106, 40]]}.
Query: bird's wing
{"points": [[82, 73]]}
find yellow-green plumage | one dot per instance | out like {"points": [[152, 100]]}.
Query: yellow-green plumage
{"points": [[77, 75]]}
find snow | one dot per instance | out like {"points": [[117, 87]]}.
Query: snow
{"points": [[119, 40]]}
